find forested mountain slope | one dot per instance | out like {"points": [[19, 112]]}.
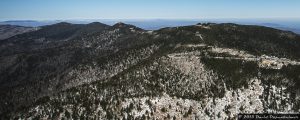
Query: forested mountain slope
{"points": [[124, 72]]}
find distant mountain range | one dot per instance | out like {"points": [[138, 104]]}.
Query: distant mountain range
{"points": [[156, 24]]}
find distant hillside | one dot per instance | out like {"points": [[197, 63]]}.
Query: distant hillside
{"points": [[7, 31]]}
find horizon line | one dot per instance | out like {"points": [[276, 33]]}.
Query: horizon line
{"points": [[88, 19]]}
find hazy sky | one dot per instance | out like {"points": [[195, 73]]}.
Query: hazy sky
{"points": [[146, 9]]}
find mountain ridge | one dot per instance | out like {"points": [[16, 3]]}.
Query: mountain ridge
{"points": [[156, 24]]}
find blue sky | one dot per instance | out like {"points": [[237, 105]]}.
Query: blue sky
{"points": [[146, 9]]}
